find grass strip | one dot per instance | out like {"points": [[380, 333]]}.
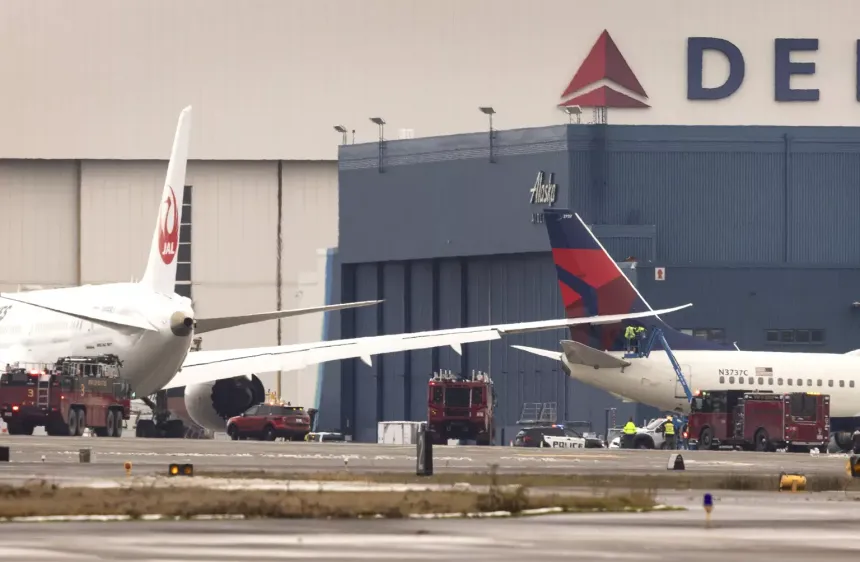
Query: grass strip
{"points": [[44, 499], [669, 480]]}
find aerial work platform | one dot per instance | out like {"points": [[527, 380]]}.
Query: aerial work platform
{"points": [[645, 351]]}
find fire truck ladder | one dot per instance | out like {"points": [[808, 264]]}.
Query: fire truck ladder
{"points": [[43, 391], [645, 351]]}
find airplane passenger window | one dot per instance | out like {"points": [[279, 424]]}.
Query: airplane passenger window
{"points": [[851, 384], [788, 381], [770, 381], [841, 384], [779, 382], [761, 381], [830, 383], [819, 382], [808, 382], [722, 379], [731, 380], [750, 380], [799, 382]]}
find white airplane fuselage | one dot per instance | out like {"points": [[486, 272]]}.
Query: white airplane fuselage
{"points": [[653, 381], [150, 358]]}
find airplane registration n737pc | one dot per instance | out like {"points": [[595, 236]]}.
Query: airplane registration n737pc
{"points": [[592, 283], [150, 328]]}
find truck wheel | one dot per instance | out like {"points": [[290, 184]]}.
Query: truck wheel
{"points": [[762, 441], [706, 438], [643, 443], [73, 422], [82, 421], [109, 423], [117, 429]]}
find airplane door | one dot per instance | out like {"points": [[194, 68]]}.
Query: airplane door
{"points": [[679, 388]]}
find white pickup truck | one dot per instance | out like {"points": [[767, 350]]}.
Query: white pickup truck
{"points": [[648, 437]]}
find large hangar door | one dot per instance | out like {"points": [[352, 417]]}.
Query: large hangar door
{"points": [[450, 293]]}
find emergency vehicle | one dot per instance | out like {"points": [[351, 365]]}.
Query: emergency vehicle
{"points": [[761, 421], [67, 397], [460, 407]]}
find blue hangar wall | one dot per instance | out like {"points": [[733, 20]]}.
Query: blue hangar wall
{"points": [[757, 226]]}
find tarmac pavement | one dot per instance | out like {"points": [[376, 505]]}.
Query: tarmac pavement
{"points": [[59, 456], [785, 527]]}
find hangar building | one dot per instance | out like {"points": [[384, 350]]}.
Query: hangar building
{"points": [[754, 225], [93, 90]]}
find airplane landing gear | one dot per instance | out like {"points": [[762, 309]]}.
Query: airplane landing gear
{"points": [[162, 425]]}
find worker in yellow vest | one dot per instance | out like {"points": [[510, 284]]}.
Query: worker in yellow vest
{"points": [[669, 433], [629, 432], [630, 337]]}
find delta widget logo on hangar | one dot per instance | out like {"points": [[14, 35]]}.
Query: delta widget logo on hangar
{"points": [[605, 65]]}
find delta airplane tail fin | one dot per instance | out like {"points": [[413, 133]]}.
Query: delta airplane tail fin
{"points": [[592, 284], [160, 272]]}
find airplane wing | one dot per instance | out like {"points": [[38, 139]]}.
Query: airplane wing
{"points": [[203, 325], [207, 366], [95, 315]]}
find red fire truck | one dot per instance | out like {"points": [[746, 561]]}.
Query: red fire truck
{"points": [[461, 408], [73, 394], [761, 421]]}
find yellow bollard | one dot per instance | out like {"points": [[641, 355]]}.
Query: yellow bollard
{"points": [[793, 482], [127, 467]]}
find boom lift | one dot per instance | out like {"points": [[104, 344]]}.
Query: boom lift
{"points": [[645, 351]]}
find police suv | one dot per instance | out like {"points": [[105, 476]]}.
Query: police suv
{"points": [[556, 436]]}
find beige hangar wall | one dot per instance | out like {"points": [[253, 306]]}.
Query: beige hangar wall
{"points": [[234, 238], [39, 225]]}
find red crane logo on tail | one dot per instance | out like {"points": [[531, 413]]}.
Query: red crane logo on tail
{"points": [[168, 228]]}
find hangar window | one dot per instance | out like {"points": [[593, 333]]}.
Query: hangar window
{"points": [[183, 263], [709, 334], [804, 336]]}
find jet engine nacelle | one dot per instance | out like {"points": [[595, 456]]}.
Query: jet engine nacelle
{"points": [[211, 404]]}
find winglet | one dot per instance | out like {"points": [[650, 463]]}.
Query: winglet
{"points": [[160, 272], [203, 325]]}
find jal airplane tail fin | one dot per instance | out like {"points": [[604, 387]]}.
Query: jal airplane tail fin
{"points": [[160, 273], [591, 284]]}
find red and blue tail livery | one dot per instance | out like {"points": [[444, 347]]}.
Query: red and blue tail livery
{"points": [[591, 283]]}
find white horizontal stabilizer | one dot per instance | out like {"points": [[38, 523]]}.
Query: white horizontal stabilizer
{"points": [[554, 355], [203, 325], [206, 366], [75, 310]]}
